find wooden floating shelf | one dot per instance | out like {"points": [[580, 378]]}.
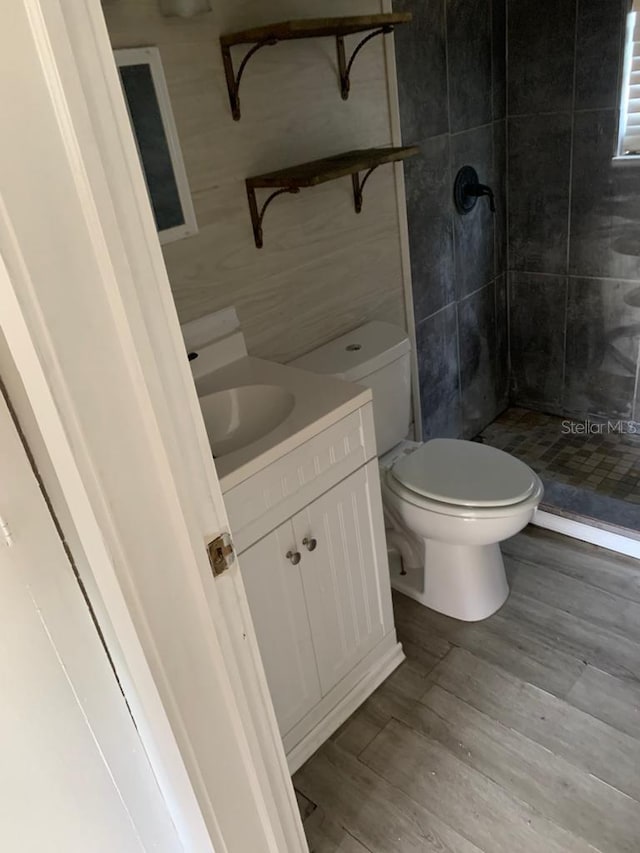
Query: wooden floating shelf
{"points": [[330, 168], [271, 34], [295, 178], [314, 28]]}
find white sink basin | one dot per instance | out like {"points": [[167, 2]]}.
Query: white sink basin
{"points": [[236, 417]]}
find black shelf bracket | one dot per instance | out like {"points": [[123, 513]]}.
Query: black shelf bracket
{"points": [[233, 79], [271, 34], [257, 216], [359, 165], [344, 67], [358, 187]]}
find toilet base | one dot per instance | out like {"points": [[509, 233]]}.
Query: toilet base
{"points": [[466, 582]]}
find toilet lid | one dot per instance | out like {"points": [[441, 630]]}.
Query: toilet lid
{"points": [[465, 473]]}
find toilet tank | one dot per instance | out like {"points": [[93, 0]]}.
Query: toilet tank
{"points": [[376, 355]]}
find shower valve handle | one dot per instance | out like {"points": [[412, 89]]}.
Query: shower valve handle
{"points": [[467, 189], [478, 190]]}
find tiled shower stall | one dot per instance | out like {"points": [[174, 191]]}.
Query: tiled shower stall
{"points": [[538, 306]]}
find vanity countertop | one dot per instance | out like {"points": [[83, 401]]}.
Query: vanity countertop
{"points": [[320, 402]]}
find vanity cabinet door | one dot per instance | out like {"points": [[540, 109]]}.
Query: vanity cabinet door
{"points": [[345, 574], [279, 613]]}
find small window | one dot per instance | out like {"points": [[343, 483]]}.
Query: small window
{"points": [[154, 128], [630, 104]]}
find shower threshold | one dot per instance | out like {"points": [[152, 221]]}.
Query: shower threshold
{"points": [[591, 472]]}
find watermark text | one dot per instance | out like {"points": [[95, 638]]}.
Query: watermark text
{"points": [[588, 427]]}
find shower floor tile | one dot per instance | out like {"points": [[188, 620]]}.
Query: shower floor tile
{"points": [[605, 459]]}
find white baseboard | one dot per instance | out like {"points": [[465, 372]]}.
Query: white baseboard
{"points": [[360, 691], [595, 535]]}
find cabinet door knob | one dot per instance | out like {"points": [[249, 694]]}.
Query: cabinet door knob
{"points": [[310, 544], [294, 557]]}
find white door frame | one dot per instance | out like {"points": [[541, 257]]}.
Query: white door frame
{"points": [[93, 358]]}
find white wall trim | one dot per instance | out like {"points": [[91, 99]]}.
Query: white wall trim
{"points": [[586, 533]]}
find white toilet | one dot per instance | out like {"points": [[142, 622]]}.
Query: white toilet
{"points": [[448, 502]]}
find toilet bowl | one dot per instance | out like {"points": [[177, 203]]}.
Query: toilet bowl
{"points": [[438, 498], [448, 503]]}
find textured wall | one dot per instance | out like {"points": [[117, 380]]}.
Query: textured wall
{"points": [[574, 214], [451, 80], [323, 269]]}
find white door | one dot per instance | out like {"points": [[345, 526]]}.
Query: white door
{"points": [[341, 577], [276, 598], [73, 776], [89, 336]]}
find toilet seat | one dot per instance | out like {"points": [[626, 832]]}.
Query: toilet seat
{"points": [[457, 511], [464, 474]]}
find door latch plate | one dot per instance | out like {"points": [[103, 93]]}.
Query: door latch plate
{"points": [[221, 554]]}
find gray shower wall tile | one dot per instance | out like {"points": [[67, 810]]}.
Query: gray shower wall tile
{"points": [[430, 217], [603, 331], [421, 59], [474, 232], [437, 351], [499, 179], [541, 37], [469, 57], [449, 108], [538, 174], [499, 57], [502, 342], [605, 202], [537, 310], [477, 342], [574, 293], [599, 38]]}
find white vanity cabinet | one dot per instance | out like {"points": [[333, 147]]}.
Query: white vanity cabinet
{"points": [[341, 576], [309, 530], [279, 611]]}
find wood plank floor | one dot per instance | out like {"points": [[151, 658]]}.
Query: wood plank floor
{"points": [[520, 733]]}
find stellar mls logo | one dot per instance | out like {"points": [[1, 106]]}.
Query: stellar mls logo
{"points": [[588, 427]]}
